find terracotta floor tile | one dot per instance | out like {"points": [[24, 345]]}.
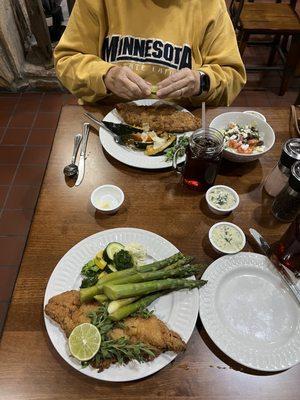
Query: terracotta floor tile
{"points": [[52, 102], [30, 175], [9, 94], [35, 155], [16, 136], [24, 197], [6, 174], [14, 247], [10, 154], [30, 104], [3, 193], [8, 277], [46, 120], [42, 137], [3, 313], [7, 104], [22, 119], [32, 95], [15, 222], [4, 118]]}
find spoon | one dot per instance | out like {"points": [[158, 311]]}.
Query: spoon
{"points": [[72, 169]]}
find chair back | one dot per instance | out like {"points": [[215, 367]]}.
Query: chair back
{"points": [[236, 7]]}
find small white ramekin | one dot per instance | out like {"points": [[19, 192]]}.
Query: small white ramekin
{"points": [[110, 193], [217, 210], [218, 249]]}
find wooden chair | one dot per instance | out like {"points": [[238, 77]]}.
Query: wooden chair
{"points": [[280, 21]]}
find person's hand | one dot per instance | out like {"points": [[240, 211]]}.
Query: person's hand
{"points": [[123, 82], [184, 83]]}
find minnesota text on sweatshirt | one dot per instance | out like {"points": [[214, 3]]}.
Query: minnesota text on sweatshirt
{"points": [[153, 37]]}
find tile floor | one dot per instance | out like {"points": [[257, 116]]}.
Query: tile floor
{"points": [[27, 127]]}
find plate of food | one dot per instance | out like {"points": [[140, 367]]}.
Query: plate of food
{"points": [[147, 132], [247, 136], [121, 304], [249, 314]]}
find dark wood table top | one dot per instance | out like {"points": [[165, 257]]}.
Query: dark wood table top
{"points": [[31, 369]]}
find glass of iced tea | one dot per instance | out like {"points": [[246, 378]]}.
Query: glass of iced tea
{"points": [[203, 157], [287, 248]]}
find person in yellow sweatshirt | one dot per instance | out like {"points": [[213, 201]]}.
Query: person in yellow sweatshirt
{"points": [[184, 50]]}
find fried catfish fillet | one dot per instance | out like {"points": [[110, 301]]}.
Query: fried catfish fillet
{"points": [[160, 118], [67, 310], [151, 331]]}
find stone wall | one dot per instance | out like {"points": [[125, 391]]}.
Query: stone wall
{"points": [[22, 66]]}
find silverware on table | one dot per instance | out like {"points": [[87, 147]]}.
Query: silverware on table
{"points": [[119, 131], [72, 169], [81, 165], [101, 125], [279, 267]]}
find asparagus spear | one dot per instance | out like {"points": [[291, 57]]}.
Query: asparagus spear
{"points": [[115, 292], [101, 298], [126, 310], [116, 304], [179, 272], [87, 294]]}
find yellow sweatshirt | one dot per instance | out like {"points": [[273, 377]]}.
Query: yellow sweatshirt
{"points": [[153, 37]]}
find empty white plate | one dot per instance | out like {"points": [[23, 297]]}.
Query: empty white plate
{"points": [[249, 314]]}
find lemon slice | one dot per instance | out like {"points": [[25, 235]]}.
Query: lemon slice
{"points": [[84, 341]]}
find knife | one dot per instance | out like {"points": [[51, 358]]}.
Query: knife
{"points": [[279, 267], [81, 165]]}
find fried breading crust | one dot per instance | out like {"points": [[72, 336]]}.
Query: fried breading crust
{"points": [[151, 331], [160, 118], [67, 310]]}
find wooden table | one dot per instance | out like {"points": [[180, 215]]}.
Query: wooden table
{"points": [[31, 369]]}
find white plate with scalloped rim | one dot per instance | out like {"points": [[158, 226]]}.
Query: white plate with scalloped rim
{"points": [[248, 313], [129, 156], [179, 310]]}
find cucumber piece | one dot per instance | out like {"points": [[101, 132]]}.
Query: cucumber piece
{"points": [[110, 250]]}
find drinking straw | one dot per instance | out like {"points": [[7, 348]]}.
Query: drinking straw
{"points": [[203, 115]]}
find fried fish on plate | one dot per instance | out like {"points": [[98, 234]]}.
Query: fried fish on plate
{"points": [[159, 117], [67, 310]]}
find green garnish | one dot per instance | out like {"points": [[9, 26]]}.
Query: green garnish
{"points": [[181, 144], [90, 271]]}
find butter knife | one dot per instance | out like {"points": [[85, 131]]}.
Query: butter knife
{"points": [[81, 165], [279, 267]]}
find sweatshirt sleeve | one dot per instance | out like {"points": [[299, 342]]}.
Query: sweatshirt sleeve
{"points": [[221, 62], [77, 62]]}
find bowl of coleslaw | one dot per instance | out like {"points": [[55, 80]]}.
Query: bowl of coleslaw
{"points": [[247, 137]]}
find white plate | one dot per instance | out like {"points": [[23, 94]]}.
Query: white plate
{"points": [[248, 313], [178, 310], [134, 158]]}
